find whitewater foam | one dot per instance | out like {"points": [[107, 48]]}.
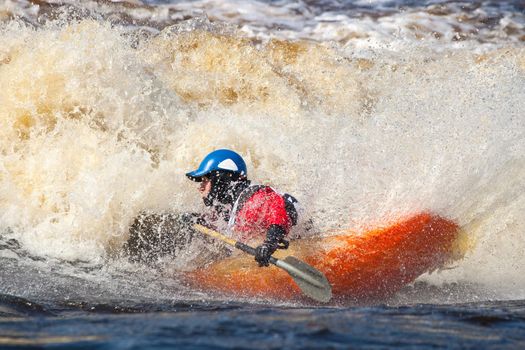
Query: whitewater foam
{"points": [[99, 121]]}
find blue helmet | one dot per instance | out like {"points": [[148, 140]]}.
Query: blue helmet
{"points": [[219, 160]]}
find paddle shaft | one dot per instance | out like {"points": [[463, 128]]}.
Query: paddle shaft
{"points": [[239, 245], [250, 250]]}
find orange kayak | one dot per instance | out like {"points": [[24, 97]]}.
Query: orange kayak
{"points": [[369, 266]]}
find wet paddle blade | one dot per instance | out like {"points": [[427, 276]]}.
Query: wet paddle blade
{"points": [[311, 281]]}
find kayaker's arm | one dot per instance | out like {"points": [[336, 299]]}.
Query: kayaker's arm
{"points": [[274, 240]]}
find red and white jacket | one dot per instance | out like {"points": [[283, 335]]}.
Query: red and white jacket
{"points": [[256, 209]]}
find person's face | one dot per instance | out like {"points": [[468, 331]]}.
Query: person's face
{"points": [[205, 187]]}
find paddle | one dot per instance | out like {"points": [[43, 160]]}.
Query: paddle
{"points": [[311, 281]]}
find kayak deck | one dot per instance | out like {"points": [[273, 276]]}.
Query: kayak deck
{"points": [[369, 266]]}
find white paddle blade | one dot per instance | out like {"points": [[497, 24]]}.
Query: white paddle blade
{"points": [[312, 282]]}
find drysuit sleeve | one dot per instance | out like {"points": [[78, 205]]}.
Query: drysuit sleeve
{"points": [[274, 239]]}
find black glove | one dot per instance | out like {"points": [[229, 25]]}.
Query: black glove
{"points": [[274, 240], [263, 254], [156, 235]]}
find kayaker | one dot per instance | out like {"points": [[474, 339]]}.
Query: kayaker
{"points": [[248, 212]]}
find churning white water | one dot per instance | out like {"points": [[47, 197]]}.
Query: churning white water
{"points": [[99, 121]]}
